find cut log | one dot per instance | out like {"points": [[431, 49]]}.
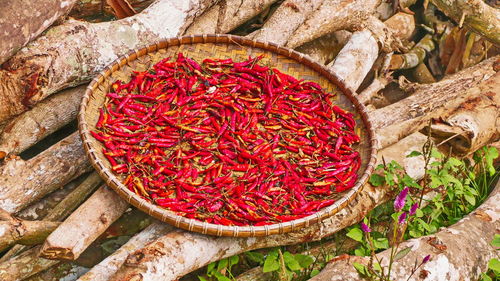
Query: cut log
{"points": [[105, 269], [22, 21], [72, 199], [436, 100], [46, 118], [285, 20], [181, 252], [475, 14], [324, 49], [23, 182], [226, 15], [332, 16], [451, 259], [475, 124], [415, 56], [356, 59], [74, 52], [14, 230], [24, 265], [84, 225]]}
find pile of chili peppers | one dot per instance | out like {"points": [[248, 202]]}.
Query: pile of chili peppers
{"points": [[232, 143]]}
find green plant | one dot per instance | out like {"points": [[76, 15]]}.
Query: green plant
{"points": [[493, 264], [461, 186], [286, 265], [221, 270]]}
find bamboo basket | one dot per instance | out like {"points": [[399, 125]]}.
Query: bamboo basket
{"points": [[238, 48]]}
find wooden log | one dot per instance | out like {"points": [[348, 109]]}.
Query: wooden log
{"points": [[474, 14], [85, 9], [84, 225], [72, 199], [451, 259], [415, 56], [24, 265], [42, 174], [285, 20], [35, 72], [226, 15], [105, 269], [47, 117], [474, 124], [22, 21], [434, 100], [14, 230], [324, 49], [332, 16], [155, 261], [355, 60]]}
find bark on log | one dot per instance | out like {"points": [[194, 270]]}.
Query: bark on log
{"points": [[181, 252], [226, 15], [23, 182], [451, 259], [22, 21], [84, 225], [475, 124], [74, 52], [432, 101], [14, 230], [47, 117], [72, 199], [105, 269], [355, 60], [93, 8], [285, 20], [475, 14], [415, 56], [332, 16], [24, 265], [324, 49]]}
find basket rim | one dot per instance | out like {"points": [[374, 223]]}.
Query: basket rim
{"points": [[205, 227]]}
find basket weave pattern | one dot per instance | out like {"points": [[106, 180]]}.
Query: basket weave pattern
{"points": [[222, 47]]}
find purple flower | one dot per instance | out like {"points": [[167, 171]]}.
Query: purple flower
{"points": [[426, 259], [400, 200], [402, 218], [413, 209], [365, 227]]}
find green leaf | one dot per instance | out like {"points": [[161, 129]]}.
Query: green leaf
{"points": [[234, 260], [314, 272], [470, 199], [496, 241], [223, 263], [436, 154], [304, 260], [419, 213], [377, 180], [485, 277], [413, 154], [361, 252], [255, 257], [381, 243], [360, 268], [355, 234], [271, 264], [221, 277], [201, 278], [291, 262], [401, 254], [211, 268], [494, 265], [377, 267]]}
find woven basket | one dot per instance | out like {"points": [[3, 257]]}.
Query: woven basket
{"points": [[237, 48]]}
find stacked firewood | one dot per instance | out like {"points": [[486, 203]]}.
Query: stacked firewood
{"points": [[55, 209]]}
